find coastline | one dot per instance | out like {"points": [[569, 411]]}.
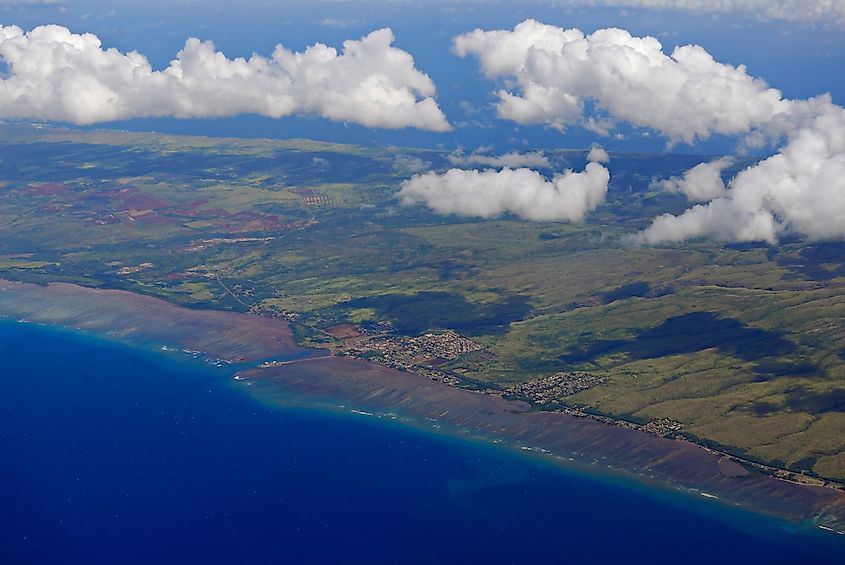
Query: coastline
{"points": [[569, 440], [366, 387], [227, 337]]}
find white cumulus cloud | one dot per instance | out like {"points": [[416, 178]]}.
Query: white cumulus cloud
{"points": [[686, 95], [56, 75], [701, 183], [554, 75], [523, 192], [512, 160], [598, 154], [799, 191]]}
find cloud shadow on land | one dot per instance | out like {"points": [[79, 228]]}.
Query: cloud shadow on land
{"points": [[413, 314], [638, 289], [803, 399], [820, 261], [698, 331]]}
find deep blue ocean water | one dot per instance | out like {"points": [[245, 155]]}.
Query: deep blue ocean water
{"points": [[118, 455]]}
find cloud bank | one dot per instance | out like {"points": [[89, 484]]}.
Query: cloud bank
{"points": [[822, 11], [523, 192], [56, 75], [556, 75], [512, 160]]}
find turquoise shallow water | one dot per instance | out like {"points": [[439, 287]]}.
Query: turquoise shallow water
{"points": [[112, 454]]}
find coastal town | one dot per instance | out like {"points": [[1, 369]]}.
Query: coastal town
{"points": [[549, 391], [423, 354], [430, 354], [427, 354]]}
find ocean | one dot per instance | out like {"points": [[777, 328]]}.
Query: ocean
{"points": [[111, 454]]}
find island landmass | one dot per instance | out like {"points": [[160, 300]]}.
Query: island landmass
{"points": [[309, 378]]}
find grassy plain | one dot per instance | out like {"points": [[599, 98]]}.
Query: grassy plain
{"points": [[744, 345]]}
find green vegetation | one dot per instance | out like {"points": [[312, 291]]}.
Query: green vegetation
{"points": [[744, 345]]}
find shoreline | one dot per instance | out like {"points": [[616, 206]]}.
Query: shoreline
{"points": [[747, 519], [228, 337], [571, 440], [245, 340], [775, 472]]}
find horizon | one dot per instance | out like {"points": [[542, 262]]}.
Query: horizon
{"points": [[733, 37]]}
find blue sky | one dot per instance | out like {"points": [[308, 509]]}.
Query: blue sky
{"points": [[801, 59]]}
